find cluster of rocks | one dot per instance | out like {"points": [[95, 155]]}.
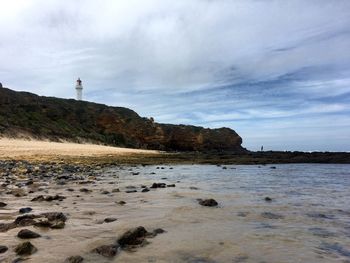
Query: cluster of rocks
{"points": [[130, 240]]}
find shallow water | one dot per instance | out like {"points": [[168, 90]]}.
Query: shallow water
{"points": [[308, 219]]}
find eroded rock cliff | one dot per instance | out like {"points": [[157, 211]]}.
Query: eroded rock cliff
{"points": [[23, 113]]}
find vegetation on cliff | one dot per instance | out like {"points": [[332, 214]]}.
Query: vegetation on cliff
{"points": [[56, 119]]}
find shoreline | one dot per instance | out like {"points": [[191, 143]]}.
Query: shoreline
{"points": [[34, 151]]}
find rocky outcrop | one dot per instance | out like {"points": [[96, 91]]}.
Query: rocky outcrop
{"points": [[23, 113]]}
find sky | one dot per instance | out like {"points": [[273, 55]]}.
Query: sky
{"points": [[277, 72]]}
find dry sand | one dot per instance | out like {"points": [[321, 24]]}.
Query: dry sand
{"points": [[18, 148]]}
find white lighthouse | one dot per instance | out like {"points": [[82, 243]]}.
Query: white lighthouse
{"points": [[79, 89]]}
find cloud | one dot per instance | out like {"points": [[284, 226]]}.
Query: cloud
{"points": [[243, 64]]}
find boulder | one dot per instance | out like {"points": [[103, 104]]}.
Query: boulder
{"points": [[107, 250], [133, 237], [208, 202], [3, 249], [26, 233], [25, 210], [25, 249]]}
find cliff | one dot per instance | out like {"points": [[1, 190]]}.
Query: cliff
{"points": [[55, 119]]}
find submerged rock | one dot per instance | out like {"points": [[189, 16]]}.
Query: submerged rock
{"points": [[133, 237], [25, 210], [158, 185], [3, 249], [270, 215], [109, 219], [268, 199], [74, 259], [208, 202], [26, 233], [2, 204], [25, 249], [107, 250]]}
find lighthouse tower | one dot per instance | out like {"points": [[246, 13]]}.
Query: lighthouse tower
{"points": [[79, 89]]}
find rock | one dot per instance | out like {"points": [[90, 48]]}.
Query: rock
{"points": [[145, 190], [48, 198], [25, 210], [194, 188], [116, 190], [133, 237], [3, 249], [26, 233], [170, 185], [84, 190], [268, 199], [107, 250], [25, 249], [158, 185], [273, 167], [158, 231], [74, 259], [121, 203], [109, 219], [208, 202], [2, 204], [131, 191], [270, 215]]}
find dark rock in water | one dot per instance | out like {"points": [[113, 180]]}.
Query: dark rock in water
{"points": [[242, 214], [335, 248], [70, 190], [25, 210], [107, 250], [3, 249], [171, 185], [121, 203], [158, 231], [48, 198], [2, 204], [105, 192], [158, 185], [273, 167], [26, 233], [320, 232], [208, 202], [84, 190], [74, 259], [320, 215], [145, 190], [25, 249], [133, 237], [135, 173], [131, 191], [194, 188], [270, 215], [25, 220], [116, 190], [51, 216], [268, 199], [109, 219]]}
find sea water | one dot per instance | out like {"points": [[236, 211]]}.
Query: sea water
{"points": [[308, 219]]}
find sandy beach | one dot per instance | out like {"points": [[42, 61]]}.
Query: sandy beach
{"points": [[34, 149]]}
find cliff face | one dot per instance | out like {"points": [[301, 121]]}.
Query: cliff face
{"points": [[54, 118]]}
